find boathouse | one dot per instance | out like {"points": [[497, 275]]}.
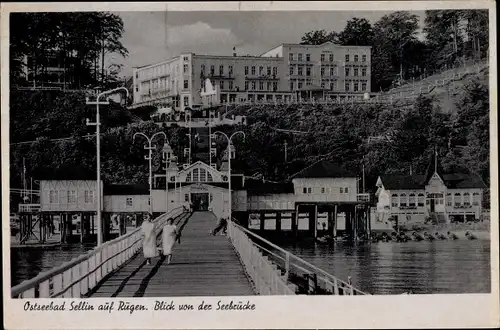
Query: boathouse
{"points": [[436, 195]]}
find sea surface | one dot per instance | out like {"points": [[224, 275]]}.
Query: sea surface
{"points": [[27, 263], [460, 266]]}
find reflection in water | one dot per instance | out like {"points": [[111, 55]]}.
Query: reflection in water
{"points": [[381, 268], [394, 268], [29, 262]]}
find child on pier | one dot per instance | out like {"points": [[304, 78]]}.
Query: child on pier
{"points": [[222, 225]]}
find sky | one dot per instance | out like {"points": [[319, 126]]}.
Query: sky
{"points": [[152, 37]]}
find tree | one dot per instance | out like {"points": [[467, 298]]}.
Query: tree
{"points": [[358, 32], [318, 37]]}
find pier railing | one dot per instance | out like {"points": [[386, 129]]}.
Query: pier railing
{"points": [[266, 277], [293, 273], [75, 278]]}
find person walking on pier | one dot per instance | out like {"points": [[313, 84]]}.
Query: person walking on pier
{"points": [[169, 236], [148, 238], [221, 225]]}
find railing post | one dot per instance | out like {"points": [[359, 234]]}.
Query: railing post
{"points": [[43, 289], [287, 266]]}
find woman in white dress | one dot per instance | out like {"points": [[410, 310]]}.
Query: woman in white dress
{"points": [[169, 236], [148, 239]]}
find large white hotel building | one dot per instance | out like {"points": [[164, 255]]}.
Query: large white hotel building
{"points": [[284, 73]]}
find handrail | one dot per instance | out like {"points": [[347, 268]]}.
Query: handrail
{"points": [[44, 277], [288, 255]]}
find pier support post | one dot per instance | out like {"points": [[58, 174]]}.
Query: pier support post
{"points": [[278, 222]]}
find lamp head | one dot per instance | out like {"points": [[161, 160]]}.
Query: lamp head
{"points": [[87, 121]]}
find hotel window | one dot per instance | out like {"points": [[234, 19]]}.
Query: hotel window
{"points": [[300, 56], [136, 88], [331, 57], [458, 199], [308, 82], [202, 69], [275, 71], [189, 177], [71, 196], [128, 201], [299, 70], [322, 84], [466, 199], [221, 84], [341, 190], [261, 85], [196, 175], [309, 190], [322, 57], [246, 85], [412, 200], [363, 86], [346, 190], [253, 71], [186, 84], [322, 72], [291, 85], [421, 199], [363, 58], [403, 200], [347, 86], [230, 69], [186, 101], [332, 86], [291, 70], [347, 57], [304, 190], [268, 85], [332, 71], [308, 71], [89, 196], [253, 85], [186, 68], [53, 197], [230, 85], [221, 70], [149, 200], [275, 86], [212, 70], [449, 200], [261, 70], [186, 197], [290, 57], [268, 70], [322, 190], [356, 58], [300, 85], [356, 72], [308, 57], [246, 70], [186, 58], [363, 72], [475, 198], [347, 71], [394, 200], [356, 86]]}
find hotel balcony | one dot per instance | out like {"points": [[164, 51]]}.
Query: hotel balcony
{"points": [[262, 77], [29, 208]]}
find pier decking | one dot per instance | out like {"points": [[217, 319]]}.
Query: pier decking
{"points": [[202, 265]]}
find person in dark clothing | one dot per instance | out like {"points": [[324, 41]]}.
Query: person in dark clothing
{"points": [[222, 225]]}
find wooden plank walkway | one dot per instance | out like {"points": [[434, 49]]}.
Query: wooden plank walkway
{"points": [[202, 265]]}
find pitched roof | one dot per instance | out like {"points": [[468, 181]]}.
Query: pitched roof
{"points": [[402, 181], [463, 181], [325, 169], [259, 187], [126, 189]]}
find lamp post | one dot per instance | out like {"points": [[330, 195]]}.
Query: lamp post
{"points": [[167, 150], [150, 157], [97, 124], [229, 144]]}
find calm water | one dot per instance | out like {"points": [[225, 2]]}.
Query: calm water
{"points": [[460, 266], [27, 263]]}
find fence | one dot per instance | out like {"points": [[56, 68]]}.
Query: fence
{"points": [[76, 277], [266, 277], [277, 271]]}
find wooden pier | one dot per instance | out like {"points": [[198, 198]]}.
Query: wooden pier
{"points": [[202, 265]]}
